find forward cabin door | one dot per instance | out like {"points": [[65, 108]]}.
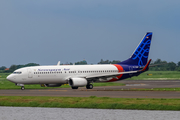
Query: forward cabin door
{"points": [[30, 73]]}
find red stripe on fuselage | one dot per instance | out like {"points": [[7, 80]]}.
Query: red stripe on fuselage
{"points": [[120, 69]]}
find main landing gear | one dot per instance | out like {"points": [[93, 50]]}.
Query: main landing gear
{"points": [[89, 86], [74, 87]]}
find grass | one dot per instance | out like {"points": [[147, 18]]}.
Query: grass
{"points": [[91, 102], [142, 89], [158, 75], [161, 89], [149, 75]]}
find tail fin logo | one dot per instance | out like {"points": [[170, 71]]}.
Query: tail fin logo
{"points": [[140, 55], [142, 51]]}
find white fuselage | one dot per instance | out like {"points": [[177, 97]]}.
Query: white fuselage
{"points": [[59, 74]]}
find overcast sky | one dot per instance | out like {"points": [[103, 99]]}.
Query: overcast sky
{"points": [[48, 31]]}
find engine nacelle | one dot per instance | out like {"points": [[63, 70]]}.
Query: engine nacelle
{"points": [[50, 85], [77, 82]]}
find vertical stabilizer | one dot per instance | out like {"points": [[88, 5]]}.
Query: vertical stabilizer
{"points": [[140, 55]]}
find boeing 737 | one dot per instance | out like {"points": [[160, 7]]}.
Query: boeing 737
{"points": [[85, 75]]}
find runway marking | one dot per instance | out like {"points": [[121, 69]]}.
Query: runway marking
{"points": [[140, 84]]}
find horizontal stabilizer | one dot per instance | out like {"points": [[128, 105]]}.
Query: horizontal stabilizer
{"points": [[146, 67]]}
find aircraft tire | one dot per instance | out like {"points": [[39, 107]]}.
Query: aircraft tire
{"points": [[74, 87], [22, 88], [89, 86]]}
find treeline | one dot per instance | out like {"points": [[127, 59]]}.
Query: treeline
{"points": [[162, 65], [84, 62], [14, 67], [101, 62], [108, 62]]}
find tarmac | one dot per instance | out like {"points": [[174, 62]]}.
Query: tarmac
{"points": [[126, 91]]}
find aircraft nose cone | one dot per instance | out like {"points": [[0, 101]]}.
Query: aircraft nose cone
{"points": [[10, 78]]}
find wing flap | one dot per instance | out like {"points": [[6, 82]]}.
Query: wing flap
{"points": [[114, 75], [110, 75]]}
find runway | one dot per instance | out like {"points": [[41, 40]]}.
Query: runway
{"points": [[109, 91]]}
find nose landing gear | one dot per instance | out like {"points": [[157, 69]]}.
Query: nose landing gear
{"points": [[22, 88]]}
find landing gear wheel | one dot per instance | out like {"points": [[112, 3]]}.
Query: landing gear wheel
{"points": [[74, 87], [89, 86], [22, 88]]}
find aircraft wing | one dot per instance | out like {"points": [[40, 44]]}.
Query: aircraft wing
{"points": [[114, 75], [110, 75]]}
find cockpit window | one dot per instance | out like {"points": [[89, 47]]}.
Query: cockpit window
{"points": [[17, 72]]}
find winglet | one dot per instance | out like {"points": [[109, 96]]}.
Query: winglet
{"points": [[146, 67]]}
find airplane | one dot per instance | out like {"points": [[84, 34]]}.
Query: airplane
{"points": [[85, 75]]}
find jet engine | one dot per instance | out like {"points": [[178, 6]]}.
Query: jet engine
{"points": [[77, 82]]}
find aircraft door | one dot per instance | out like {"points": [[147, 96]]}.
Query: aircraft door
{"points": [[30, 73]]}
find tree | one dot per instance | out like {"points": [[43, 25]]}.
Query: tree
{"points": [[81, 63], [104, 62], [178, 64], [31, 64], [161, 65], [171, 66], [115, 62], [27, 65], [13, 68], [158, 61], [109, 62], [2, 68], [178, 69]]}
